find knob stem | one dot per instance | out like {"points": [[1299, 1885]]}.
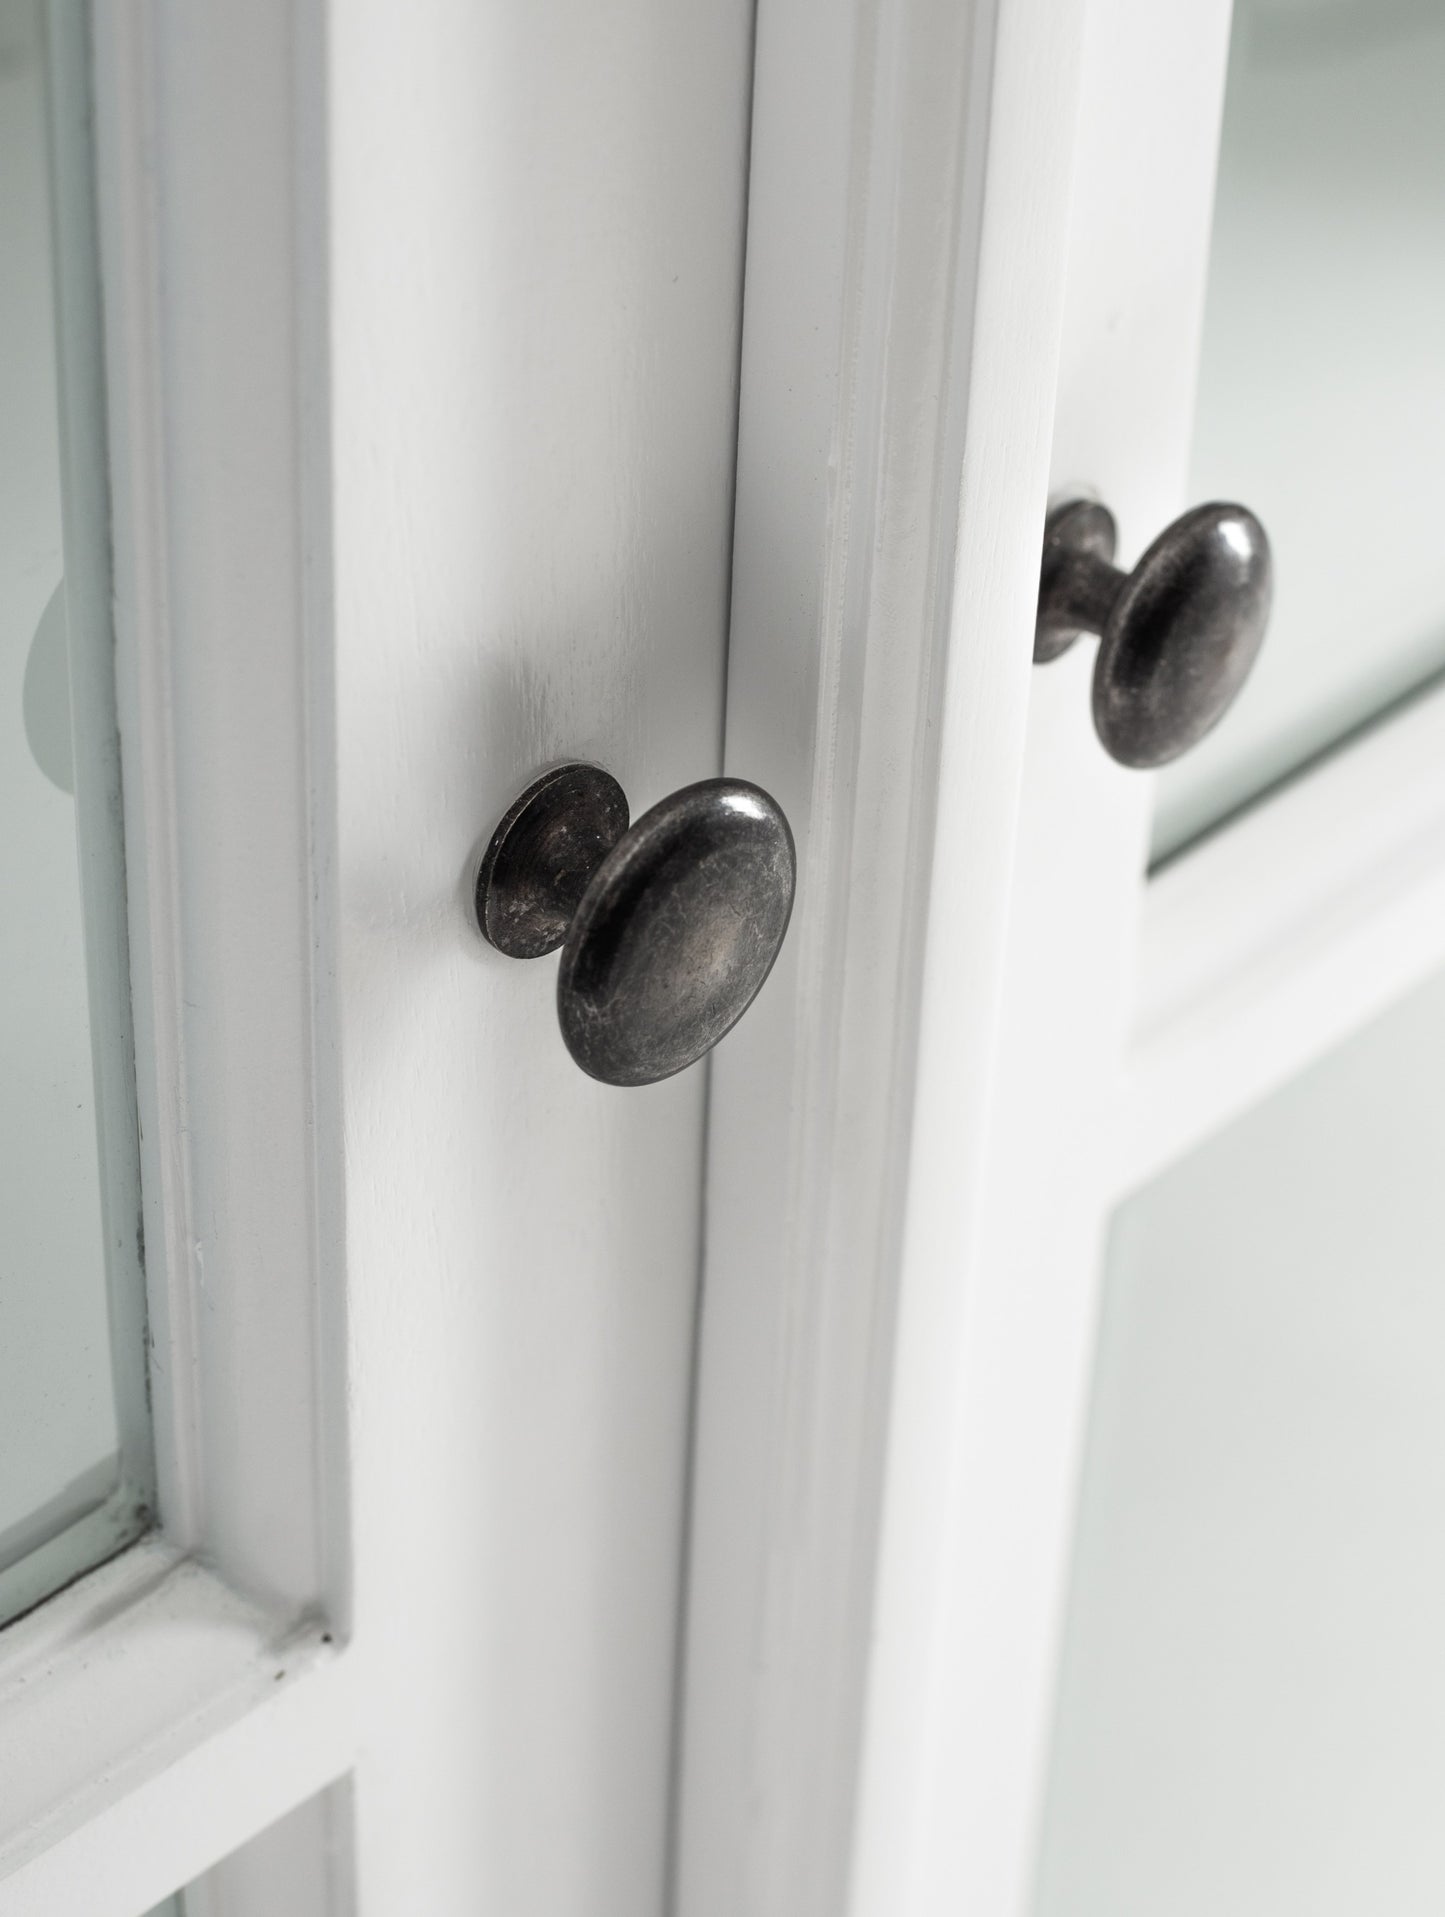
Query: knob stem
{"points": [[1080, 591]]}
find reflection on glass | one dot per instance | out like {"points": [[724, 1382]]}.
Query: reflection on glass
{"points": [[1322, 385], [74, 1454], [1251, 1714]]}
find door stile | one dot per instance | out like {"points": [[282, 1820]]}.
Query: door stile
{"points": [[1000, 1347], [907, 227], [536, 250]]}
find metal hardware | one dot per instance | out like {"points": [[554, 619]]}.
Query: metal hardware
{"points": [[1178, 634], [668, 927]]}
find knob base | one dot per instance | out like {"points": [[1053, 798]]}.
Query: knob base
{"points": [[1078, 585], [540, 858]]}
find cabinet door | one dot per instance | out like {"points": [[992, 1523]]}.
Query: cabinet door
{"points": [[1009, 1016], [458, 419], [536, 303], [419, 350], [1250, 1651]]}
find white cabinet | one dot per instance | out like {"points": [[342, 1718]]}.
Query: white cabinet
{"points": [[576, 1500]]}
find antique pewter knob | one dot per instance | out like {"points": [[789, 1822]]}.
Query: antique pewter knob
{"points": [[1178, 635], [668, 927]]}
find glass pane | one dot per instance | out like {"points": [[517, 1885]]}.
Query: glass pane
{"points": [[1322, 391], [1251, 1715], [292, 1865], [74, 1453]]}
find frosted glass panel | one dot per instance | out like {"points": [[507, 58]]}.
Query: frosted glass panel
{"points": [[1322, 389], [74, 1453], [1251, 1716]]}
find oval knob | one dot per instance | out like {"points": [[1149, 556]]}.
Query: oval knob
{"points": [[1178, 634], [668, 927]]}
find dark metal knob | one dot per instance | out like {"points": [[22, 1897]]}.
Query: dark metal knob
{"points": [[668, 927], [1178, 635]]}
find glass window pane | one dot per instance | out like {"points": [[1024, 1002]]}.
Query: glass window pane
{"points": [[1322, 387], [296, 1864], [1251, 1714], [74, 1451]]}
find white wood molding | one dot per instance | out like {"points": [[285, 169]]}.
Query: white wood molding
{"points": [[226, 761], [905, 270], [1278, 936], [536, 293], [151, 1721], [159, 1713], [1001, 1279]]}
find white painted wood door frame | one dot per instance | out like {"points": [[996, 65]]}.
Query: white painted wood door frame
{"points": [[420, 344], [185, 1696], [992, 1027]]}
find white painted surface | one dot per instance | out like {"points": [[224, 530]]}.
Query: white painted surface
{"points": [[905, 271], [528, 301], [859, 236], [1252, 1712], [948, 1376], [151, 1721], [144, 1732], [1001, 1337], [227, 752], [153, 1738], [1212, 1639], [971, 1414], [536, 261], [534, 384]]}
